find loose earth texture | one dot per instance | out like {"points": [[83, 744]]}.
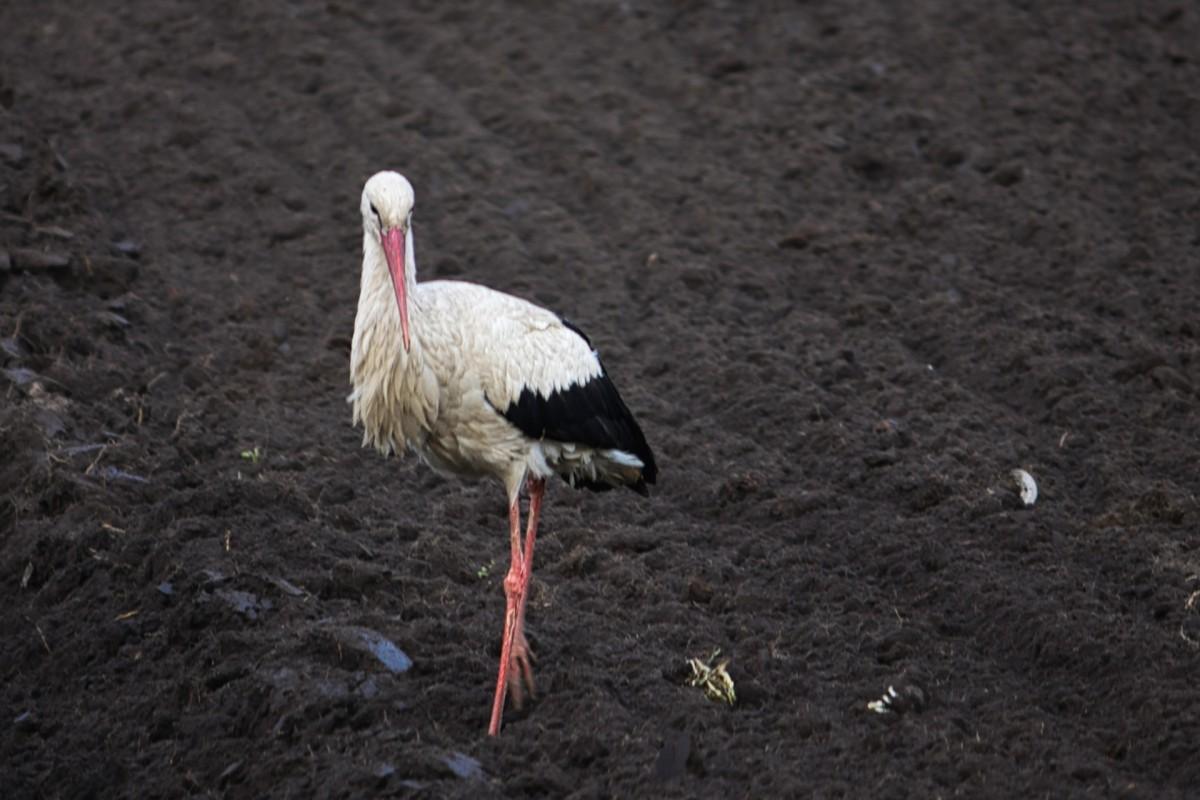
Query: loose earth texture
{"points": [[851, 265]]}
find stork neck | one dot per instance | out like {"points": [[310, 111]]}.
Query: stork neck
{"points": [[378, 316], [375, 272]]}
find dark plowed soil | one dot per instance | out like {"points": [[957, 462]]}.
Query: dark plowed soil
{"points": [[851, 264]]}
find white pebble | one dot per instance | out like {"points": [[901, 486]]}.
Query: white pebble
{"points": [[1027, 485]]}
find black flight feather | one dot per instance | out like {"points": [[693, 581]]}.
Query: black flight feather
{"points": [[591, 414]]}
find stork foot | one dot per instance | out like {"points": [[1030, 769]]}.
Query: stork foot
{"points": [[520, 670]]}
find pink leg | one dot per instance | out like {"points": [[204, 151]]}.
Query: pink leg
{"points": [[522, 655], [515, 668], [512, 582]]}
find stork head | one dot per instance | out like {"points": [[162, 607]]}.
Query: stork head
{"points": [[387, 206]]}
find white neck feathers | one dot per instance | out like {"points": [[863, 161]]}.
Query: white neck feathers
{"points": [[391, 393]]}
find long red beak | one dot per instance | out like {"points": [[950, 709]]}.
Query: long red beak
{"points": [[393, 249]]}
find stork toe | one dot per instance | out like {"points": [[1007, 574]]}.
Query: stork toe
{"points": [[520, 670]]}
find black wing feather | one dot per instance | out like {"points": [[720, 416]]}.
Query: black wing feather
{"points": [[591, 414]]}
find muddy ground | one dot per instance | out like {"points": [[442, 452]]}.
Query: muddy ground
{"points": [[851, 263]]}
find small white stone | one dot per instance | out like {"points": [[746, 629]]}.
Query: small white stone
{"points": [[1027, 485]]}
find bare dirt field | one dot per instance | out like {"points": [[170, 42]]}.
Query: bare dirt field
{"points": [[851, 263]]}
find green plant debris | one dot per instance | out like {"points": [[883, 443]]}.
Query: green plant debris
{"points": [[253, 456], [483, 572]]}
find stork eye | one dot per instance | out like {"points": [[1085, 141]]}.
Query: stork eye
{"points": [[375, 211]]}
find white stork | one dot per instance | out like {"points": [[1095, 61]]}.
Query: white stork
{"points": [[481, 383]]}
